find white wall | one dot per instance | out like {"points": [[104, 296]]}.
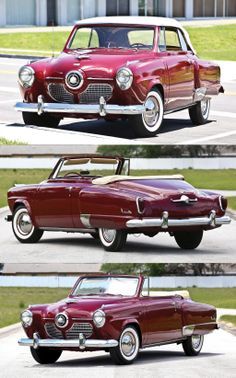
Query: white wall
{"points": [[157, 282]]}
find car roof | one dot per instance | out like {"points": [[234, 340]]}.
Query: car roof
{"points": [[132, 20]]}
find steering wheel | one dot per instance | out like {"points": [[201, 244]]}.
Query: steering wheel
{"points": [[138, 44], [72, 174]]}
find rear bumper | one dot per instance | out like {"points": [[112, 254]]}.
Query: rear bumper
{"points": [[165, 222], [101, 109], [81, 343]]}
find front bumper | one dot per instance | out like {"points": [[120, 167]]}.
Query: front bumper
{"points": [[81, 343], [101, 109], [165, 222]]}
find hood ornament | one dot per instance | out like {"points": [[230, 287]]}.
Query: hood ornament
{"points": [[185, 199]]}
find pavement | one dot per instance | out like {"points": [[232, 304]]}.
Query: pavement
{"points": [[216, 359]]}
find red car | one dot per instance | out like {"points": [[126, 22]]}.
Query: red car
{"points": [[117, 314], [94, 194], [131, 68]]}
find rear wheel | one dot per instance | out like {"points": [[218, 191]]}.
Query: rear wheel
{"points": [[127, 350], [193, 344], [112, 240], [148, 124], [45, 120], [199, 113], [188, 239], [23, 227], [45, 355]]}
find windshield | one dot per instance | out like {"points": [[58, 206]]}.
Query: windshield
{"points": [[121, 37], [85, 166], [125, 286]]}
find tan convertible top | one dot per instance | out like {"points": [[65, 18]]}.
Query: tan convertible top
{"points": [[182, 293], [110, 179]]}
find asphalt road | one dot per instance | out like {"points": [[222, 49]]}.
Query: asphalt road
{"points": [[217, 360], [60, 248], [177, 128]]}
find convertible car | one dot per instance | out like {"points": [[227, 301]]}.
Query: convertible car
{"points": [[95, 194], [117, 314], [130, 68]]}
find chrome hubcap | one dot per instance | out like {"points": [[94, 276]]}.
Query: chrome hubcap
{"points": [[152, 111], [109, 235], [128, 344], [24, 224], [196, 342], [205, 107]]}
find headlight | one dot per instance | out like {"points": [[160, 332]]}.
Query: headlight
{"points": [[124, 78], [99, 318], [26, 76], [27, 318]]}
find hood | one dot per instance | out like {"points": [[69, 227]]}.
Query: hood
{"points": [[80, 307], [101, 63]]}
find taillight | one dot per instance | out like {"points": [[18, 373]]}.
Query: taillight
{"points": [[140, 202], [223, 203]]}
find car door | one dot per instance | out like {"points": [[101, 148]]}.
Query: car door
{"points": [[163, 319], [53, 206], [179, 62]]}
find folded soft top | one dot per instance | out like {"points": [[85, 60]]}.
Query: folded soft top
{"points": [[110, 179]]}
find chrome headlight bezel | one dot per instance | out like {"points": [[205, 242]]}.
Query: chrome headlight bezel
{"points": [[22, 75], [26, 318], [79, 83], [99, 318], [124, 78]]}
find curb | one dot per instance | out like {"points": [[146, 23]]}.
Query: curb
{"points": [[13, 56], [9, 329]]}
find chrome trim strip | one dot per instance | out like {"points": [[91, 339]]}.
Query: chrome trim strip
{"points": [[165, 222], [189, 329], [85, 220], [81, 230], [102, 108], [163, 343], [100, 78], [80, 343], [199, 94]]}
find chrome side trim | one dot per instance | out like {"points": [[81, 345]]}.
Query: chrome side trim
{"points": [[189, 329], [199, 94], [81, 230], [102, 108], [163, 343], [85, 220], [165, 222], [81, 343]]}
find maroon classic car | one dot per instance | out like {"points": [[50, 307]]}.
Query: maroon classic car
{"points": [[94, 194], [133, 68], [117, 314]]}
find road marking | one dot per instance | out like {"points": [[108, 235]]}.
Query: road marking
{"points": [[8, 72], [211, 137], [6, 101], [229, 93], [223, 114], [9, 90]]}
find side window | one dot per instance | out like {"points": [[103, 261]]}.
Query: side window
{"points": [[172, 40], [182, 41], [145, 288]]}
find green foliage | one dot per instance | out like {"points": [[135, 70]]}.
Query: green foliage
{"points": [[229, 319], [9, 142], [145, 269], [232, 203]]}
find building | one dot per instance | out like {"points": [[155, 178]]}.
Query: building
{"points": [[65, 12]]}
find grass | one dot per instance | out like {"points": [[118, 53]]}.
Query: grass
{"points": [[9, 142], [14, 300], [229, 319], [215, 42], [232, 203], [224, 179]]}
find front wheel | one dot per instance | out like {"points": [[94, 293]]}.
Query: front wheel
{"points": [[188, 239], [148, 124], [45, 120], [45, 355], [199, 113], [127, 350], [23, 227], [112, 240], [193, 344]]}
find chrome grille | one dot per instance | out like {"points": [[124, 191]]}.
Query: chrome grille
{"points": [[52, 331], [59, 93], [73, 333], [77, 328], [93, 93]]}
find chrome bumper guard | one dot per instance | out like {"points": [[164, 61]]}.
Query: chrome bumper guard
{"points": [[165, 222], [102, 108], [81, 343]]}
